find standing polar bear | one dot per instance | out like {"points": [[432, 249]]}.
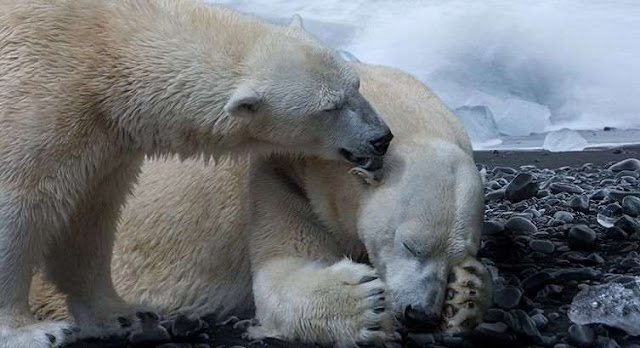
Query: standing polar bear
{"points": [[89, 87], [315, 253]]}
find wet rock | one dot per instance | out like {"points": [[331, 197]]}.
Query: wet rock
{"points": [[581, 336], [521, 225], [496, 195], [618, 195], [492, 228], [494, 315], [543, 246], [540, 320], [563, 216], [496, 331], [557, 187], [605, 342], [616, 233], [631, 206], [628, 225], [504, 170], [421, 339], [523, 186], [577, 274], [535, 282], [581, 237], [507, 297], [600, 195], [579, 203], [627, 164]]}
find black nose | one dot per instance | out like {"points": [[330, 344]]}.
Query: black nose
{"points": [[417, 316], [380, 145]]}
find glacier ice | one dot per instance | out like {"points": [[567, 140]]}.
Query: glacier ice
{"points": [[520, 117], [564, 140], [613, 304], [479, 123]]}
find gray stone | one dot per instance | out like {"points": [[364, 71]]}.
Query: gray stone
{"points": [[540, 320], [628, 225], [496, 195], [581, 237], [558, 187], [631, 206], [563, 216], [581, 336], [627, 164], [507, 297], [523, 186], [492, 228], [579, 203], [543, 246], [521, 225]]}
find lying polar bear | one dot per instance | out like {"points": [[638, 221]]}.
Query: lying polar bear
{"points": [[316, 253]]}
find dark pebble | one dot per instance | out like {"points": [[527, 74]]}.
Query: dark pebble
{"points": [[421, 339], [497, 331], [618, 195], [540, 320], [581, 336], [535, 282], [581, 237], [523, 186], [563, 216], [504, 170], [631, 206], [578, 274], [579, 203], [520, 322], [521, 225], [558, 187], [494, 315], [606, 342], [492, 228], [627, 164], [507, 297], [628, 225], [616, 233], [543, 246], [496, 195], [599, 195]]}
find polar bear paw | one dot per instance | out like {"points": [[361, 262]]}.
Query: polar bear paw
{"points": [[468, 296], [343, 304], [364, 303], [48, 334]]}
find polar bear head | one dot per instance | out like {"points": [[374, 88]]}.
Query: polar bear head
{"points": [[424, 219], [300, 95]]}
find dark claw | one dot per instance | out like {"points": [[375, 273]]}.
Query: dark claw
{"points": [[367, 279], [153, 316], [449, 311], [451, 293], [472, 293], [374, 292], [52, 338], [76, 329], [471, 305], [378, 310], [67, 332], [374, 328], [124, 322], [140, 315], [470, 269]]}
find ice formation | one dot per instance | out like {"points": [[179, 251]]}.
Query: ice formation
{"points": [[537, 66], [564, 140], [613, 304]]}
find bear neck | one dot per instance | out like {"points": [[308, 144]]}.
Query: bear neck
{"points": [[164, 80]]}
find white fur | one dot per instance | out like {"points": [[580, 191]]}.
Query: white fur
{"points": [[296, 238], [89, 87]]}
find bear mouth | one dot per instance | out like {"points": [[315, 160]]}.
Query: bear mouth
{"points": [[371, 163]]}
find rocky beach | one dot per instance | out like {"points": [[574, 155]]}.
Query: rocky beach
{"points": [[559, 228]]}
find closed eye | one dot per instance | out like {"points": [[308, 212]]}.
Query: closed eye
{"points": [[415, 254]]}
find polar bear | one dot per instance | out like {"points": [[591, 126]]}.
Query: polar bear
{"points": [[317, 255], [89, 87]]}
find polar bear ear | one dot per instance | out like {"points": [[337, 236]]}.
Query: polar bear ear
{"points": [[244, 102], [296, 22]]}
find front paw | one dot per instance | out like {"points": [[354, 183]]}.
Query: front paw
{"points": [[359, 295], [468, 296]]}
